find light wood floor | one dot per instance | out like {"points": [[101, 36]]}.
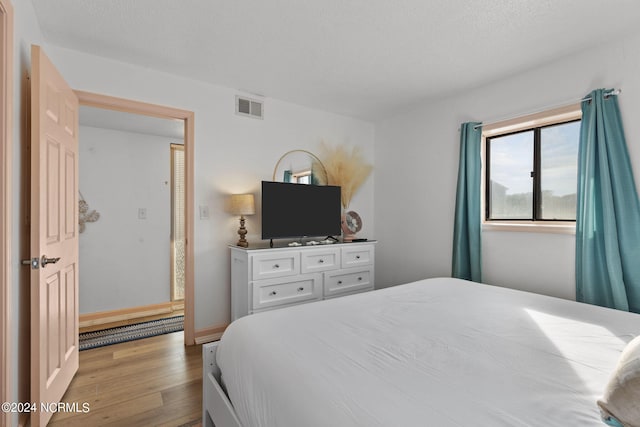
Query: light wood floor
{"points": [[151, 382]]}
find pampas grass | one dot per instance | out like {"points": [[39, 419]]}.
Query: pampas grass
{"points": [[346, 168], [318, 171]]}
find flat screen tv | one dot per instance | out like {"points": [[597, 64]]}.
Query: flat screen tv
{"points": [[300, 210]]}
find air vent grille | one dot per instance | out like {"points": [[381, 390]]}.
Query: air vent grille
{"points": [[249, 107]]}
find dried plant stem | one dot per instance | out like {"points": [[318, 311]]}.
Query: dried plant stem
{"points": [[346, 168]]}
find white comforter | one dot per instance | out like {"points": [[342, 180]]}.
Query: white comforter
{"points": [[438, 352]]}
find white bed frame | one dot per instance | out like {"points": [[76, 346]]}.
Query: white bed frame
{"points": [[217, 410]]}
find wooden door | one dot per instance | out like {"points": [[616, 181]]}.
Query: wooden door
{"points": [[54, 235]]}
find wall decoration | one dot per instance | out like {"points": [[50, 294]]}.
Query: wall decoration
{"points": [[346, 168], [85, 214], [300, 167]]}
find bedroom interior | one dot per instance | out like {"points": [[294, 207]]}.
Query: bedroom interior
{"points": [[376, 78]]}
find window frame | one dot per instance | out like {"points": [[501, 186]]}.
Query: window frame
{"points": [[565, 114], [176, 177]]}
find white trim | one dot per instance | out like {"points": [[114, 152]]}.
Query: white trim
{"points": [[556, 115], [531, 227], [6, 142]]}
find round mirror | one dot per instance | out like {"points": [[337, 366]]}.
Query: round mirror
{"points": [[301, 167]]}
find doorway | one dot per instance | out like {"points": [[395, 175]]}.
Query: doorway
{"points": [[187, 118]]}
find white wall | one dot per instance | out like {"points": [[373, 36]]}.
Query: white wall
{"points": [[233, 154], [125, 260], [417, 162]]}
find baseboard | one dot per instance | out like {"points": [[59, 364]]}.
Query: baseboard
{"points": [[125, 314], [210, 334]]}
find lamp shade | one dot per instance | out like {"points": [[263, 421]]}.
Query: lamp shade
{"points": [[242, 204]]}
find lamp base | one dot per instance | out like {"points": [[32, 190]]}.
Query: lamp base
{"points": [[242, 231]]}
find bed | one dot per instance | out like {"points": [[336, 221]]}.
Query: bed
{"points": [[441, 351]]}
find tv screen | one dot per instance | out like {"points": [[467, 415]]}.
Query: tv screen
{"points": [[300, 210]]}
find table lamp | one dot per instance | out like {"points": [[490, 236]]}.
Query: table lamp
{"points": [[242, 204]]}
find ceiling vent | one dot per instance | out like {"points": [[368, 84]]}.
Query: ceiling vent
{"points": [[249, 107]]}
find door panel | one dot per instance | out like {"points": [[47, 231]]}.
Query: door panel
{"points": [[54, 215], [52, 176], [52, 300], [70, 167], [70, 297]]}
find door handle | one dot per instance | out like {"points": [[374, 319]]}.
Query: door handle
{"points": [[35, 263], [44, 260]]}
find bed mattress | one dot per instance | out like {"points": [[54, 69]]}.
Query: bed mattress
{"points": [[438, 352]]}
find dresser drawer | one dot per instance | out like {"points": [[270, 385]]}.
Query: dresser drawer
{"points": [[324, 259], [278, 292], [353, 256], [279, 264], [265, 279], [347, 281]]}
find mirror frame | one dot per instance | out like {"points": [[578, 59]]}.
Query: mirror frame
{"points": [[129, 106], [313, 157]]}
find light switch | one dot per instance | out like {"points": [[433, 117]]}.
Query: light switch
{"points": [[204, 212]]}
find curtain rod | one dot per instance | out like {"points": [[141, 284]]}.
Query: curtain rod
{"points": [[612, 92]]}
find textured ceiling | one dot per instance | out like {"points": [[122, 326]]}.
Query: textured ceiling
{"points": [[363, 58]]}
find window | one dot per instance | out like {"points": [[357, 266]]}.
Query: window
{"points": [[303, 177], [531, 169], [177, 223]]}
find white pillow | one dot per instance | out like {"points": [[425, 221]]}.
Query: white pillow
{"points": [[620, 404]]}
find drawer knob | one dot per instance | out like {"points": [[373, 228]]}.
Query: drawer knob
{"points": [[357, 256], [320, 261], [276, 266], [359, 278], [272, 293], [300, 289], [339, 282]]}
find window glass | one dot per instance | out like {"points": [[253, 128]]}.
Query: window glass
{"points": [[511, 185], [559, 171]]}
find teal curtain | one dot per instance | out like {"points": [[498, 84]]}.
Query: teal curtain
{"points": [[467, 259], [608, 211], [287, 176]]}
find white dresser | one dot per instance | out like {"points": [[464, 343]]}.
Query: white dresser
{"points": [[269, 278]]}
